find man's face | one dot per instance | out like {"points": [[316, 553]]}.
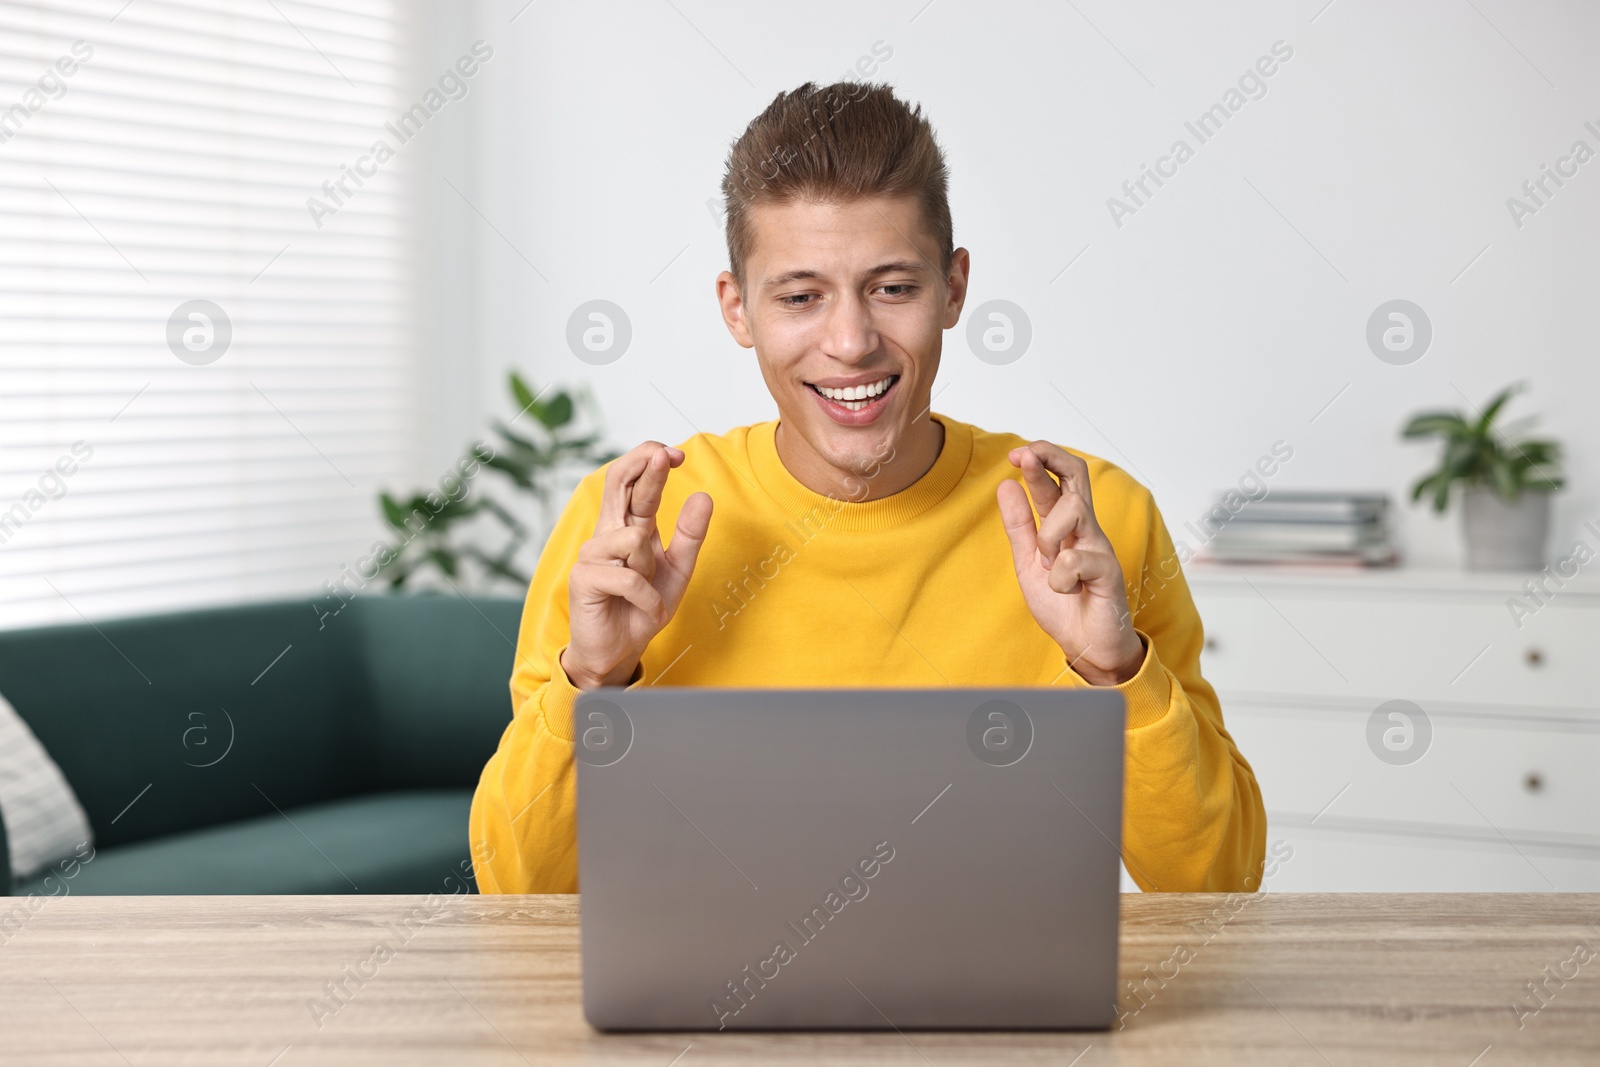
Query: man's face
{"points": [[845, 305]]}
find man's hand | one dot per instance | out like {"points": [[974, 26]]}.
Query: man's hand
{"points": [[625, 587], [1069, 574]]}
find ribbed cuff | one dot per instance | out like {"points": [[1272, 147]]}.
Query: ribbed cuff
{"points": [[558, 700], [560, 697], [1148, 693]]}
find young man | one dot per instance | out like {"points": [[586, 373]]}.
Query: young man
{"points": [[860, 539]]}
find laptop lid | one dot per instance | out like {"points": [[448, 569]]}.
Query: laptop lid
{"points": [[851, 859]]}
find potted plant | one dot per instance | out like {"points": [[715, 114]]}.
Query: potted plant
{"points": [[1506, 481], [537, 460]]}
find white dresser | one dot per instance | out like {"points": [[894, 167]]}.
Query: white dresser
{"points": [[1407, 734]]}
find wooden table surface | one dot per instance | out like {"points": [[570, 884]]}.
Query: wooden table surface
{"points": [[1279, 979]]}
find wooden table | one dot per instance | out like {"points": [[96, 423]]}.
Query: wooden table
{"points": [[1281, 979]]}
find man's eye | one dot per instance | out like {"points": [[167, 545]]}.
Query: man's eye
{"points": [[903, 289], [789, 301]]}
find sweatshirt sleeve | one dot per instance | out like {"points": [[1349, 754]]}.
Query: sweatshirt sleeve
{"points": [[523, 826], [1192, 817]]}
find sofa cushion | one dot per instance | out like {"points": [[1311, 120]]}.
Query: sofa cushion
{"points": [[44, 821], [412, 841], [170, 723], [439, 672]]}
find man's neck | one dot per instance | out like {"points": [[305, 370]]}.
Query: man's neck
{"points": [[914, 455]]}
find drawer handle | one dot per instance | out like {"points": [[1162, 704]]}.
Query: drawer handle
{"points": [[1534, 657], [1211, 644], [1534, 782]]}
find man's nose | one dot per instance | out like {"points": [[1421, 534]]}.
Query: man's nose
{"points": [[851, 334]]}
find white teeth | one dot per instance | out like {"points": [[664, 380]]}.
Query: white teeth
{"points": [[856, 393]]}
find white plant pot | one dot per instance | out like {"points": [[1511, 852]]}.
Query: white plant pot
{"points": [[1504, 536]]}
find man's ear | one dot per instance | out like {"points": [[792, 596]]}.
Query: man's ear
{"points": [[733, 309], [956, 286]]}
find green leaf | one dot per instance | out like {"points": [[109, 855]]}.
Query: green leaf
{"points": [[392, 511], [557, 412], [1538, 451], [1463, 458], [529, 458], [396, 512], [516, 440], [500, 567], [1446, 423], [1496, 404], [1540, 477], [445, 560], [578, 444], [510, 520], [523, 395], [1436, 486], [1536, 464], [452, 512], [401, 570], [1441, 496], [519, 472]]}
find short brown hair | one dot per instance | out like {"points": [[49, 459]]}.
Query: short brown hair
{"points": [[835, 143]]}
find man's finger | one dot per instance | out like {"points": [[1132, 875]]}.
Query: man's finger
{"points": [[1017, 515], [1071, 470], [1071, 521], [694, 521], [1043, 488], [621, 582], [645, 499], [1073, 567], [621, 476], [631, 546]]}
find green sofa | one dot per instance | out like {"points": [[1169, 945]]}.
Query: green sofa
{"points": [[262, 749]]}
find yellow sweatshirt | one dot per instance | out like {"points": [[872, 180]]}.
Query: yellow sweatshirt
{"points": [[797, 589]]}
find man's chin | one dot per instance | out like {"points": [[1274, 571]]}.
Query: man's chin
{"points": [[859, 451]]}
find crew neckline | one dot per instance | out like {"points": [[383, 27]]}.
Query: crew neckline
{"points": [[884, 513]]}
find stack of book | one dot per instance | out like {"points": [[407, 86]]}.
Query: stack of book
{"points": [[1349, 529]]}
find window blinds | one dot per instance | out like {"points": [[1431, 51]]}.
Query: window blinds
{"points": [[203, 382]]}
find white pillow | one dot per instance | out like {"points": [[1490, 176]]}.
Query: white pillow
{"points": [[44, 821]]}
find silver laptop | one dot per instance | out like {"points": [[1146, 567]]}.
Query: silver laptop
{"points": [[849, 858]]}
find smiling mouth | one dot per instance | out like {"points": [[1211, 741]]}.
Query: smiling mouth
{"points": [[860, 397]]}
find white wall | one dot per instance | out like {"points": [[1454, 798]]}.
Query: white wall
{"points": [[1221, 317]]}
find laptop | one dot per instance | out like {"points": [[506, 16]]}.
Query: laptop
{"points": [[853, 859]]}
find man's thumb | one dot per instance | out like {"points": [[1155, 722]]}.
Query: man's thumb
{"points": [[694, 521]]}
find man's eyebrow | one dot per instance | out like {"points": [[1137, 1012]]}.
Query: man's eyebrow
{"points": [[898, 266]]}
